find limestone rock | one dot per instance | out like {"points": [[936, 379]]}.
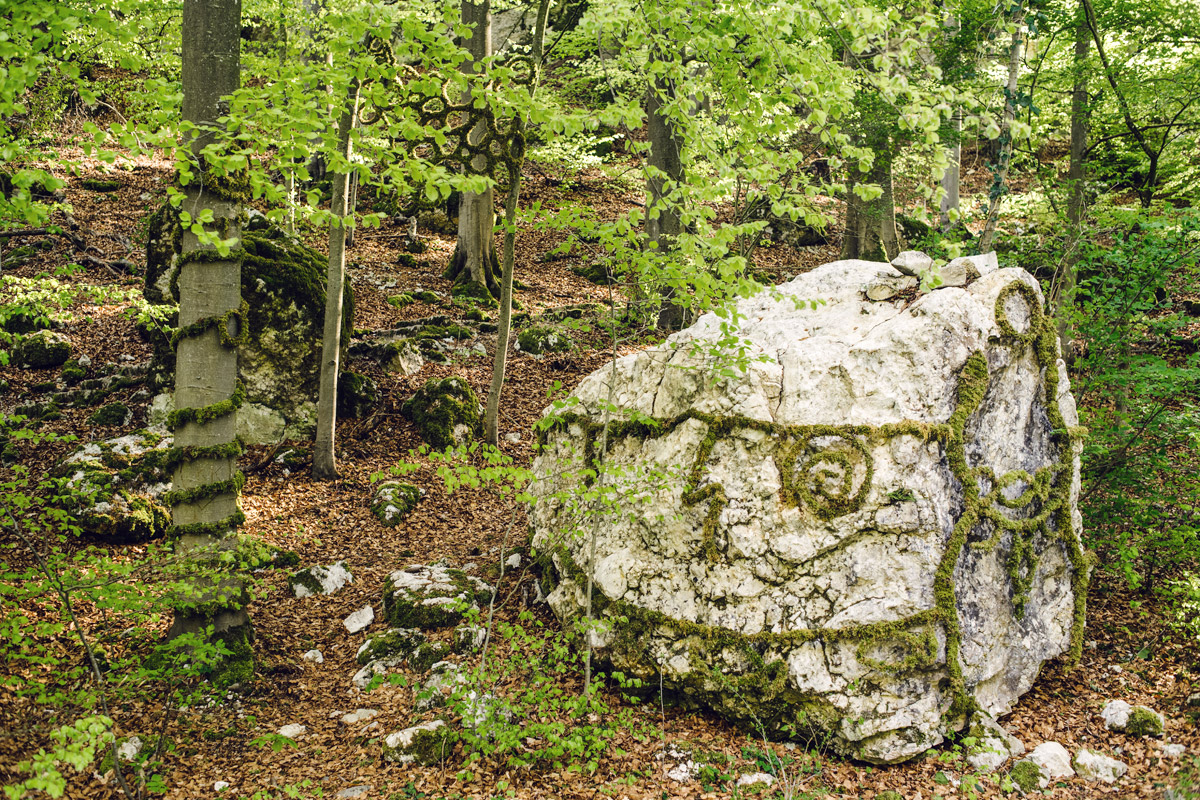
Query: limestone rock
{"points": [[1093, 766], [993, 744], [320, 579], [360, 620], [351, 792], [359, 715], [119, 485], [42, 350], [753, 778], [445, 412], [380, 666], [542, 339], [425, 744], [430, 597], [283, 284], [445, 679], [1053, 762], [357, 395], [392, 643], [861, 533], [1172, 750], [468, 638], [313, 657], [394, 500], [912, 262], [293, 730], [887, 283], [1134, 720]]}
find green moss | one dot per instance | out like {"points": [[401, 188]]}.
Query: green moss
{"points": [[238, 666], [1144, 722], [42, 349], [889, 794], [306, 579], [1025, 775], [475, 314], [72, 373], [474, 290], [406, 260], [111, 414], [428, 654], [542, 339], [357, 395], [285, 559], [404, 609], [439, 407], [100, 185], [426, 296], [427, 748], [401, 300], [394, 501], [396, 642]]}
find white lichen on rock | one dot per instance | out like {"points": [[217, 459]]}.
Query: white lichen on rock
{"points": [[865, 535]]}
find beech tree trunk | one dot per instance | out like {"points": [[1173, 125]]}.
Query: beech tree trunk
{"points": [[206, 483], [474, 262], [870, 231], [1077, 178], [665, 175], [324, 461], [951, 178]]}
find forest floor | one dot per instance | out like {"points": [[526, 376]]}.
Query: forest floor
{"points": [[1129, 655]]}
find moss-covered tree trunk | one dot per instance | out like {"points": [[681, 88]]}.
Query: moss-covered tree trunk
{"points": [[206, 483], [324, 462], [474, 265], [664, 175], [870, 231]]}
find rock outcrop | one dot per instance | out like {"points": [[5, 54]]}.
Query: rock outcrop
{"points": [[864, 536], [283, 284]]}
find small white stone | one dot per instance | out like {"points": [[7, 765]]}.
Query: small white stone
{"points": [[360, 620], [354, 791], [361, 715], [1093, 766], [84, 360], [129, 749], [1173, 750], [1116, 715], [513, 561], [912, 262], [220, 786], [314, 656], [1054, 762], [684, 772], [293, 730], [752, 778], [512, 438]]}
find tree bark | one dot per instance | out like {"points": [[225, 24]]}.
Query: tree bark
{"points": [[870, 231], [205, 484], [474, 262], [324, 461], [1000, 187], [663, 218], [491, 419], [1077, 179], [951, 178]]}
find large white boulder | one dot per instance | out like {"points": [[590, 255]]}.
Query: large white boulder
{"points": [[865, 534]]}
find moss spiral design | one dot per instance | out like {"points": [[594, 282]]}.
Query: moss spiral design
{"points": [[828, 470], [212, 412]]}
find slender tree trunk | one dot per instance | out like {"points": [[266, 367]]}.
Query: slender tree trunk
{"points": [[1000, 186], [491, 419], [206, 483], [665, 161], [952, 176], [1077, 178], [870, 231], [324, 461], [474, 262]]}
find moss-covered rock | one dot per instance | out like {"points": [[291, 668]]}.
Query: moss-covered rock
{"points": [[426, 296], [402, 356], [445, 412], [100, 184], [401, 300], [116, 486], [73, 372], [543, 339], [426, 744], [428, 654], [111, 414], [237, 667], [1025, 776], [1145, 721], [320, 579], [430, 597], [596, 272], [392, 643], [43, 349], [468, 638], [357, 397], [474, 291], [283, 283], [394, 500]]}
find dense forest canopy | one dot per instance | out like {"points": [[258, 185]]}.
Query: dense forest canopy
{"points": [[286, 285]]}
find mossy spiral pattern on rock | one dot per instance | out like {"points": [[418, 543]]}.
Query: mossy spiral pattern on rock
{"points": [[840, 492]]}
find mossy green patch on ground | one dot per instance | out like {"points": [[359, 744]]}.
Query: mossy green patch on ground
{"points": [[42, 349], [111, 414], [357, 395], [100, 184], [1025, 776], [445, 412], [543, 339], [394, 500], [1144, 722], [400, 642]]}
